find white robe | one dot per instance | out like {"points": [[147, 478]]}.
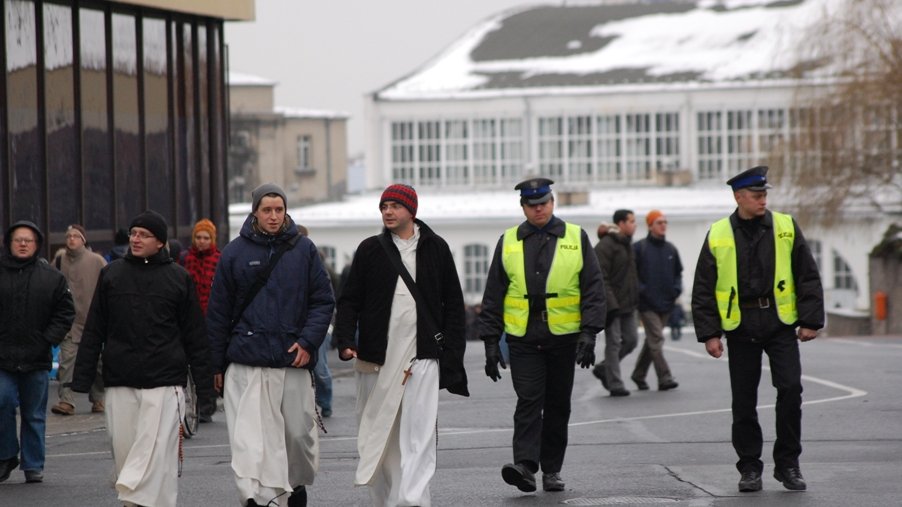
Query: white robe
{"points": [[397, 423], [272, 429], [143, 425]]}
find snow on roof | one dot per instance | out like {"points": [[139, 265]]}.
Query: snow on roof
{"points": [[601, 45], [241, 79], [471, 206], [297, 112]]}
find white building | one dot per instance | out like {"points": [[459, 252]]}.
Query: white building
{"points": [[638, 106]]}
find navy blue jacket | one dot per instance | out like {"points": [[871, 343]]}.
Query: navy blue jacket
{"points": [[660, 274], [295, 305]]}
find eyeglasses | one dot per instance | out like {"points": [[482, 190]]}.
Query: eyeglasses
{"points": [[140, 235], [23, 241], [663, 222]]}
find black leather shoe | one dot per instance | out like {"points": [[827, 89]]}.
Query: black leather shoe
{"points": [[552, 482], [619, 392], [750, 481], [791, 478], [32, 476], [520, 476], [298, 497], [666, 386], [7, 466], [641, 384]]}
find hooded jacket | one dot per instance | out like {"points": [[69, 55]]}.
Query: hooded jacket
{"points": [[36, 308], [618, 266], [146, 322], [295, 305]]}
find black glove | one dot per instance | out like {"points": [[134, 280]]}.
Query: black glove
{"points": [[493, 358], [585, 350]]}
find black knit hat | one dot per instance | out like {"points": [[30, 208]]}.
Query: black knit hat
{"points": [[153, 222]]}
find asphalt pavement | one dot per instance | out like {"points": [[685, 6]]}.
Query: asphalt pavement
{"points": [[650, 448]]}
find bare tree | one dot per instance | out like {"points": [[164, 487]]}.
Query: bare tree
{"points": [[845, 129]]}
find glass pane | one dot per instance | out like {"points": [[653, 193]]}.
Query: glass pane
{"points": [[63, 172], [187, 142], [203, 107], [98, 167], [130, 186], [27, 167], [156, 119]]}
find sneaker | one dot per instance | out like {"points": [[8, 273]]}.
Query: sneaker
{"points": [[7, 466], [63, 408], [749, 482], [520, 476], [98, 407], [32, 476], [619, 391], [326, 412], [552, 482], [791, 478], [599, 372], [641, 384]]}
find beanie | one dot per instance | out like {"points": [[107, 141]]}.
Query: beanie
{"points": [[204, 225], [153, 222], [80, 230], [652, 216], [402, 194], [264, 189]]}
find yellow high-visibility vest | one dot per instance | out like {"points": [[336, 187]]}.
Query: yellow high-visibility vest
{"points": [[723, 246], [561, 288]]}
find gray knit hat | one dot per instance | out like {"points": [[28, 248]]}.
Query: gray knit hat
{"points": [[265, 189]]}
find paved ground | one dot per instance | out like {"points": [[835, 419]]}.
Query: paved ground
{"points": [[661, 448]]}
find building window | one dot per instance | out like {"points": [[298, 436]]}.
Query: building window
{"points": [[608, 151], [485, 152], [638, 152], [402, 151], [551, 147], [456, 153], [816, 252], [305, 155], [510, 149], [843, 278], [579, 148], [740, 150], [429, 153], [667, 141], [710, 145], [476, 267]]}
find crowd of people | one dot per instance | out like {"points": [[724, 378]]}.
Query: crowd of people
{"points": [[252, 323]]}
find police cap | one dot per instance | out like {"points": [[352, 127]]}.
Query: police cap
{"points": [[534, 190], [752, 179]]}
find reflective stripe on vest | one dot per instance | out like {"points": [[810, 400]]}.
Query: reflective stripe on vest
{"points": [[563, 279], [726, 291]]}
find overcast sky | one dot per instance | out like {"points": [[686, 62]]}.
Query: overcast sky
{"points": [[329, 54]]}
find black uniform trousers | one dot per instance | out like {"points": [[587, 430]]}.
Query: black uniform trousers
{"points": [[543, 381], [781, 345]]}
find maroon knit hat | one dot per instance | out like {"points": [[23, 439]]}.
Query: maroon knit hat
{"points": [[402, 194]]}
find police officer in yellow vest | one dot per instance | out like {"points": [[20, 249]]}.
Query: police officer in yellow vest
{"points": [[545, 291], [757, 281]]}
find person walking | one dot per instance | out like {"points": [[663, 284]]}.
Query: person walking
{"points": [[660, 284], [411, 344], [546, 292], [269, 311], [36, 311], [618, 266], [200, 261], [757, 282], [147, 325], [81, 267], [321, 373]]}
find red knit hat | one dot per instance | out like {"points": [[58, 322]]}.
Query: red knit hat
{"points": [[402, 194]]}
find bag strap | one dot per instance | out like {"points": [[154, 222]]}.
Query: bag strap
{"points": [[58, 262], [262, 278], [395, 258]]}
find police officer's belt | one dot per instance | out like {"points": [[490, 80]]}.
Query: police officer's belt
{"points": [[762, 302]]}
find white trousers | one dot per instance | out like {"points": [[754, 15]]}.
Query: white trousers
{"points": [[271, 419], [143, 425], [408, 461]]}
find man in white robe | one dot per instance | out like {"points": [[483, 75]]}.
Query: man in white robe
{"points": [[401, 363], [264, 352]]}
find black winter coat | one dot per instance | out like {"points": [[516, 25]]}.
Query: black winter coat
{"points": [[660, 274], [146, 321], [366, 299], [36, 312], [760, 258], [618, 266]]}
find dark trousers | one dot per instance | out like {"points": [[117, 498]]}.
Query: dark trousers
{"points": [[543, 381], [782, 349]]}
